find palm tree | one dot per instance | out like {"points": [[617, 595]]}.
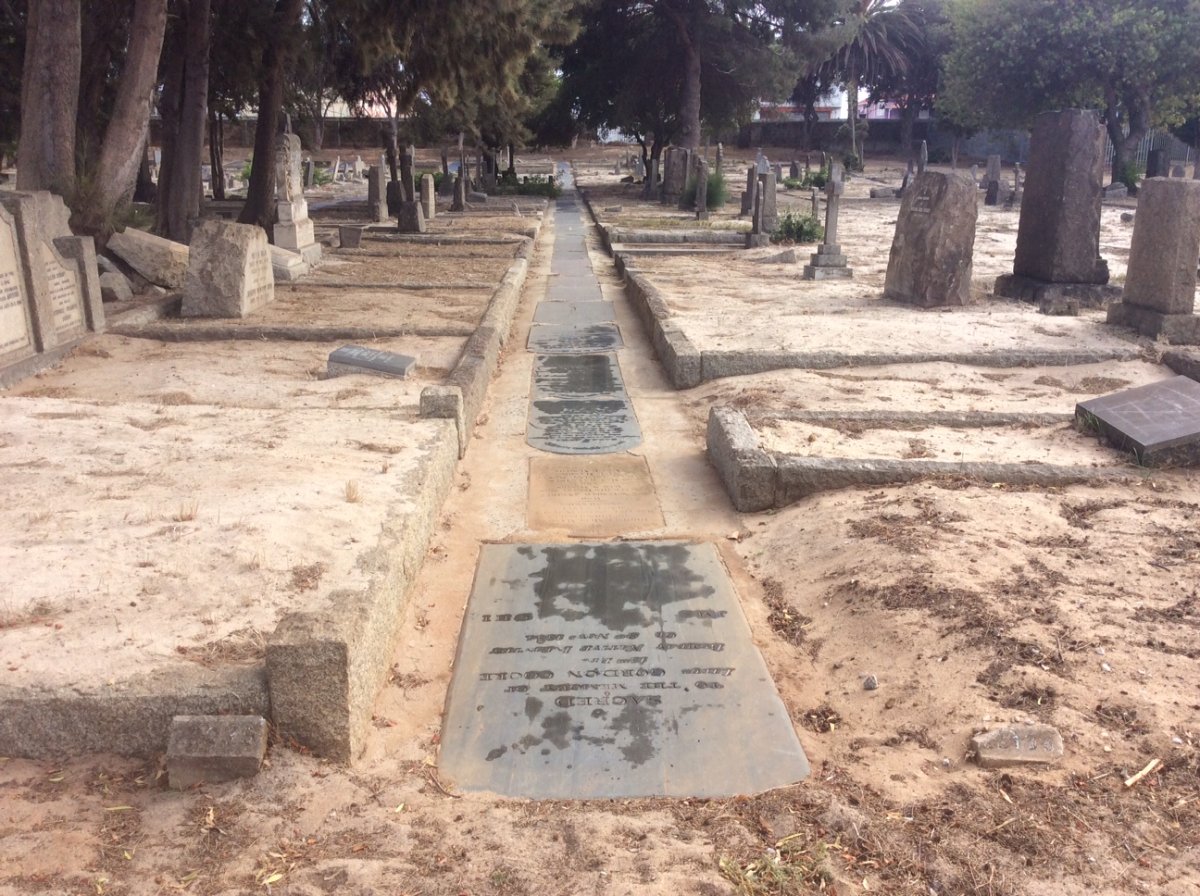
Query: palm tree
{"points": [[877, 37]]}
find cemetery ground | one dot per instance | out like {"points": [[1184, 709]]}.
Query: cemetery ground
{"points": [[209, 484]]}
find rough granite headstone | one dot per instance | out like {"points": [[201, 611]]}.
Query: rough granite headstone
{"points": [[351, 359], [230, 273], [1058, 237], [1160, 284], [159, 260], [930, 261], [1017, 745], [1159, 423]]}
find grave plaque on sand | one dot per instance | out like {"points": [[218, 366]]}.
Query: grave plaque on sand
{"points": [[591, 671], [351, 359], [930, 262], [1159, 423]]}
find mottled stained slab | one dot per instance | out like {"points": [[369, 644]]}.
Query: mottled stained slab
{"points": [[614, 670], [588, 426], [592, 497], [574, 313], [1159, 423], [567, 339], [577, 376]]}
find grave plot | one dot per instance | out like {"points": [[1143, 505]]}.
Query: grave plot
{"points": [[594, 671], [393, 265]]}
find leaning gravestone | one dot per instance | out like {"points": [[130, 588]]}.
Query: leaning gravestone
{"points": [[49, 284], [1159, 423], [1160, 285], [161, 261], [1058, 237], [229, 273], [294, 231], [930, 262]]}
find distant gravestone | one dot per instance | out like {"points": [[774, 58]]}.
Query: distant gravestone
{"points": [[229, 272], [1159, 423], [794, 170], [410, 218], [748, 193], [1157, 163], [50, 294], [294, 230], [1178, 171], [356, 359], [758, 237], [428, 197], [459, 203], [828, 262], [377, 193], [1058, 237], [930, 261], [923, 157], [1160, 284], [701, 190], [675, 175], [770, 208]]}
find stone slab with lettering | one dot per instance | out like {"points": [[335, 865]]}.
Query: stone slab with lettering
{"points": [[1017, 745], [357, 359], [230, 273], [597, 496], [930, 261], [571, 339], [1159, 423], [612, 670], [159, 260], [18, 339], [580, 406], [287, 266]]}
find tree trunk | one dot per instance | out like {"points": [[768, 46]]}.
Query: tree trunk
{"points": [[908, 119], [216, 153], [49, 97], [260, 194], [689, 99], [852, 107], [179, 199]]}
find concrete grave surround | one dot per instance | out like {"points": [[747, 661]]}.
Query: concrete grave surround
{"points": [[1058, 237], [930, 261], [1160, 285], [159, 260], [1159, 423], [230, 273], [356, 359], [612, 670]]}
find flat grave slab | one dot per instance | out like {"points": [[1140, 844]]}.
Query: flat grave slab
{"points": [[613, 670], [351, 359], [565, 339], [592, 497], [1159, 423], [577, 376], [574, 313], [573, 290], [586, 426]]}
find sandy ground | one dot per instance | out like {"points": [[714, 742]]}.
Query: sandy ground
{"points": [[972, 605]]}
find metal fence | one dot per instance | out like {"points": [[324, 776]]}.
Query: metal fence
{"points": [[1177, 150]]}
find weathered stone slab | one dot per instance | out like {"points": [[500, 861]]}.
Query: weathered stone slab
{"points": [[212, 749], [410, 218], [551, 339], [428, 197], [930, 261], [583, 426], [574, 313], [17, 335], [1166, 244], [592, 497], [577, 376], [288, 267], [1159, 423], [593, 671], [356, 359], [1017, 745], [229, 273], [350, 236], [158, 260]]}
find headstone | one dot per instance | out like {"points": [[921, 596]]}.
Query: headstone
{"points": [[975, 174], [294, 231], [778, 172], [286, 266], [229, 272], [1178, 171], [757, 237], [828, 262], [1160, 284], [394, 190], [794, 170], [50, 294], [815, 196], [359, 168], [1159, 423], [406, 176], [1017, 745], [930, 261], [459, 203], [639, 168], [428, 198], [748, 193], [761, 163], [992, 182], [1157, 163], [411, 219], [357, 359], [214, 749], [162, 262], [720, 162], [770, 210], [337, 167], [350, 236], [701, 190], [377, 194], [1058, 237], [310, 170], [923, 157]]}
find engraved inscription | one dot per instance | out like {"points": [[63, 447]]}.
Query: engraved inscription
{"points": [[66, 297], [16, 332], [260, 284], [922, 203]]}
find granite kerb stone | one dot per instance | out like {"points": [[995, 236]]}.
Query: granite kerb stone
{"points": [[128, 718], [711, 237], [178, 331], [747, 471], [326, 668]]}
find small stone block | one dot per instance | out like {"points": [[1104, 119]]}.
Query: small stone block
{"points": [[1017, 745], [212, 749], [823, 273], [351, 359], [350, 236]]}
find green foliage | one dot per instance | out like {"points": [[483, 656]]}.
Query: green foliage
{"points": [[815, 178], [530, 185], [796, 228], [247, 169], [1130, 174], [322, 176], [715, 198]]}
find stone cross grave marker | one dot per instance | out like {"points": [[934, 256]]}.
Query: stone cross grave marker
{"points": [[828, 262], [229, 271], [1159, 423], [930, 261]]}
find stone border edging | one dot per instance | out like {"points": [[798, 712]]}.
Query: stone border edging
{"points": [[461, 397], [758, 480], [191, 332]]}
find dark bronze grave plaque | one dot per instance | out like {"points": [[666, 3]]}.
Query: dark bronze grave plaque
{"points": [[596, 671], [566, 339], [592, 497], [1159, 423], [574, 313]]}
